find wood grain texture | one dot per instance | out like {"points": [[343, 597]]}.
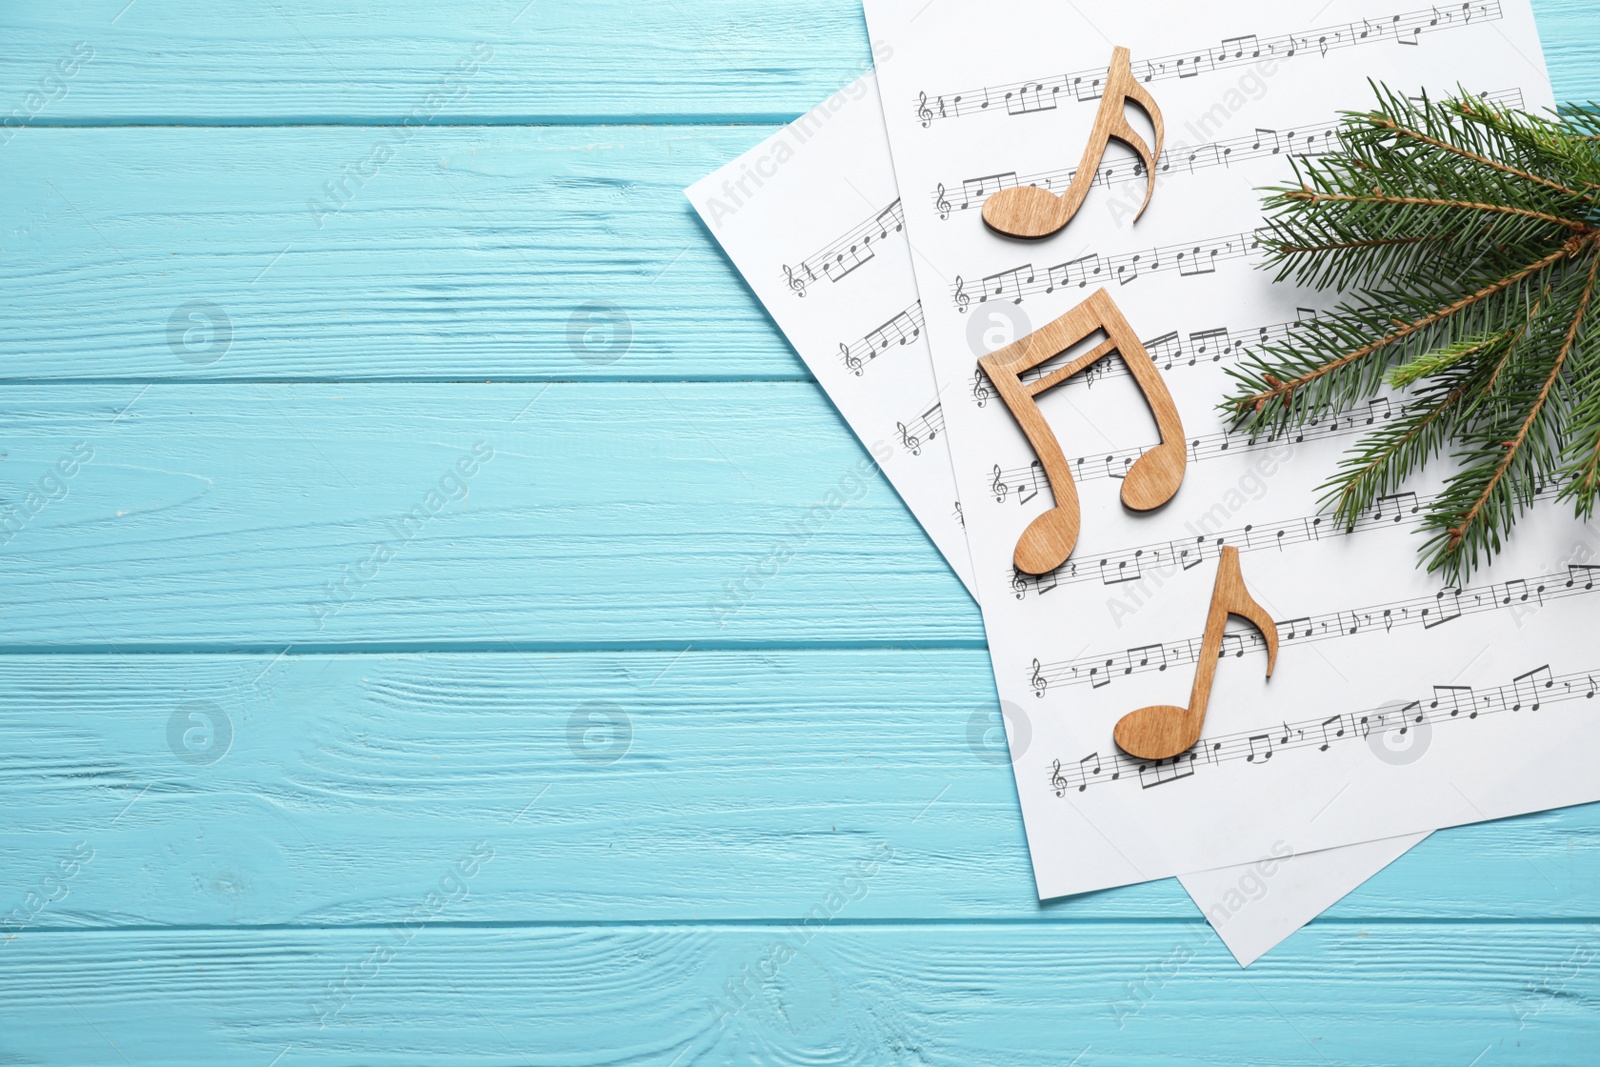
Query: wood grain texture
{"points": [[773, 746], [320, 516], [1153, 479], [979, 993], [1030, 211], [463, 256], [602, 780], [300, 61], [1163, 731]]}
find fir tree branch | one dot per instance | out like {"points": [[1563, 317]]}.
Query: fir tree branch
{"points": [[1396, 128], [1357, 480], [1284, 389], [1511, 447], [1311, 197], [1342, 245]]}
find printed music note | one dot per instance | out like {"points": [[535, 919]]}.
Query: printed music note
{"points": [[1029, 211], [995, 284], [1027, 97], [1450, 696], [890, 214], [1528, 687], [1162, 730], [1330, 738], [1085, 772], [1150, 482], [1581, 572], [1446, 608]]}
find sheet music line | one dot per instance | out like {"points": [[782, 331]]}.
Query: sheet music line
{"points": [[1167, 351], [903, 327], [920, 430], [1528, 692], [1426, 611], [1300, 142], [1044, 94], [1191, 259], [845, 254], [1026, 481], [1131, 564]]}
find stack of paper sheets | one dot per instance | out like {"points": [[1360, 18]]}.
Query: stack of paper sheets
{"points": [[1397, 706]]}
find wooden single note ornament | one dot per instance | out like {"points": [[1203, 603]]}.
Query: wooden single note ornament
{"points": [[1151, 481], [1161, 730], [1029, 211]]}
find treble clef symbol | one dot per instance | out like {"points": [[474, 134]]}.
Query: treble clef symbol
{"points": [[980, 388], [962, 299], [851, 360], [912, 442], [1038, 681], [1058, 781], [924, 112], [941, 203], [997, 487], [797, 284]]}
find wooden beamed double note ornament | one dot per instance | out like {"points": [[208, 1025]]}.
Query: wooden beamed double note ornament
{"points": [[1151, 481], [1029, 211], [1162, 730]]}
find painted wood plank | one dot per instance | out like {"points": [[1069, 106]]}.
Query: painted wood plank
{"points": [[335, 517], [356, 254], [219, 790], [313, 253], [833, 992], [302, 61]]}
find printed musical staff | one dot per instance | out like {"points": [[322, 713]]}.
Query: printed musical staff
{"points": [[1043, 94], [1189, 260], [1524, 694], [842, 256], [1208, 446], [1306, 140], [1182, 554], [1425, 611], [1170, 350], [905, 326], [920, 430]]}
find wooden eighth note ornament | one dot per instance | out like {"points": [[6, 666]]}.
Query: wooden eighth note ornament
{"points": [[1029, 211], [1151, 481], [1161, 730]]}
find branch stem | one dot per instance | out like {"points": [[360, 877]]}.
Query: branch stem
{"points": [[1515, 444], [1419, 201], [1390, 124], [1284, 389]]}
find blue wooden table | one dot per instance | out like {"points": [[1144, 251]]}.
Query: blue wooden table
{"points": [[380, 432]]}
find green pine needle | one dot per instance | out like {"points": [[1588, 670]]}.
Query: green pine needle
{"points": [[1466, 240]]}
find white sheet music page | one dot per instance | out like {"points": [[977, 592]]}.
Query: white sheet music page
{"points": [[818, 233], [836, 172], [1398, 705]]}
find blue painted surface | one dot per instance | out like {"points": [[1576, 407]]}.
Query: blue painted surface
{"points": [[364, 696]]}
